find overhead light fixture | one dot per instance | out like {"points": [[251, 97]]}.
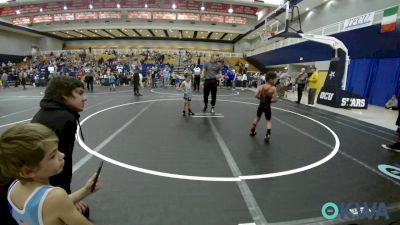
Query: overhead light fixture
{"points": [[90, 6], [202, 8], [18, 12], [146, 6], [41, 9], [118, 5], [174, 6], [307, 9], [230, 10], [65, 7]]}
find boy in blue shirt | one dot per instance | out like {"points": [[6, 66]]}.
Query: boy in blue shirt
{"points": [[29, 153]]}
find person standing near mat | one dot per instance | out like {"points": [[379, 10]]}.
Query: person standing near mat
{"points": [[59, 110], [394, 146], [267, 95], [301, 80], [186, 86], [312, 86], [211, 72]]}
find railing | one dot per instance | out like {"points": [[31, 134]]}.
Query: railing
{"points": [[326, 30], [136, 52]]}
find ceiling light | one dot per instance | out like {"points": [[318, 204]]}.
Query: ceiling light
{"points": [[18, 12], [202, 8], [65, 7], [90, 6], [95, 31], [174, 6], [148, 35], [41, 9], [146, 6], [307, 9], [230, 10], [118, 5]]}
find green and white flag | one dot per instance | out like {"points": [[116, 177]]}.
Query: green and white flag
{"points": [[389, 19]]}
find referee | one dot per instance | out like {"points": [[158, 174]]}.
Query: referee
{"points": [[211, 73]]}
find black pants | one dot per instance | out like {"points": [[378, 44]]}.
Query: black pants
{"points": [[89, 83], [196, 83], [300, 89], [210, 85], [135, 89]]}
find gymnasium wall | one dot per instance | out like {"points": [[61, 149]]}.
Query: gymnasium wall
{"points": [[15, 43], [18, 44]]}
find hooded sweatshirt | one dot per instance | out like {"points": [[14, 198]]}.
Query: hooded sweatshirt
{"points": [[63, 121]]}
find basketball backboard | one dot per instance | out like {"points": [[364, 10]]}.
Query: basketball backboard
{"points": [[277, 23]]}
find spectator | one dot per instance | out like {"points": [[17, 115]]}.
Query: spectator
{"points": [[312, 86], [395, 146], [392, 103], [64, 97], [301, 80], [29, 153]]}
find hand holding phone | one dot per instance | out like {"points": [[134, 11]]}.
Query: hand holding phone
{"points": [[96, 177]]}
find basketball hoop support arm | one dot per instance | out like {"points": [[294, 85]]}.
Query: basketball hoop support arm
{"points": [[333, 43]]}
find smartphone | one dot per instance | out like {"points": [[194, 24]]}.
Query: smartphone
{"points": [[97, 176]]}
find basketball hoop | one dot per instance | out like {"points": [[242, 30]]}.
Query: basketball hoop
{"points": [[265, 34]]}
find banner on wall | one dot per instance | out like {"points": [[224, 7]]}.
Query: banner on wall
{"points": [[359, 21], [331, 93]]}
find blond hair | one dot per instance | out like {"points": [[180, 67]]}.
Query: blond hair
{"points": [[21, 146]]}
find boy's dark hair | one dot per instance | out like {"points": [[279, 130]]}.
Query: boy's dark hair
{"points": [[270, 76], [61, 86]]}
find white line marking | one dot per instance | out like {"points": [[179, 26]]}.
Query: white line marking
{"points": [[26, 110], [9, 124], [187, 177], [99, 147], [162, 93], [247, 195], [328, 116], [247, 224], [21, 121], [210, 116]]}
